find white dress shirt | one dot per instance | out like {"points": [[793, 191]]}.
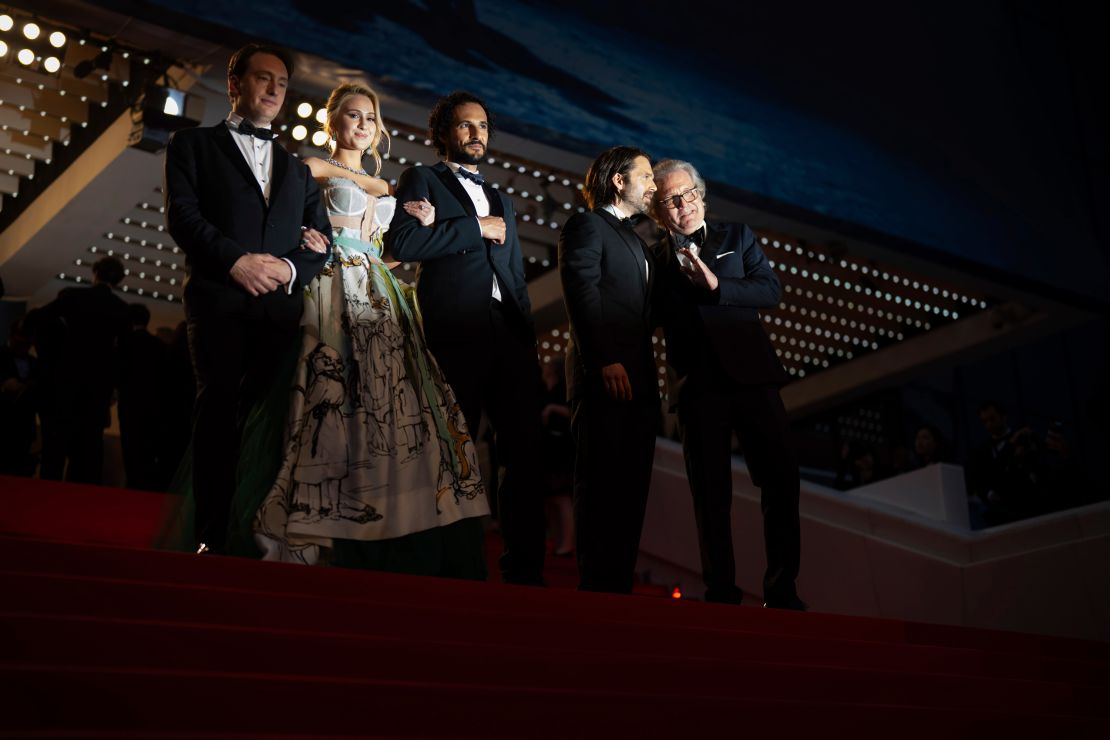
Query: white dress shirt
{"points": [[259, 155], [481, 206], [694, 249]]}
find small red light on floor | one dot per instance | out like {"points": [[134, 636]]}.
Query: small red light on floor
{"points": [[677, 593]]}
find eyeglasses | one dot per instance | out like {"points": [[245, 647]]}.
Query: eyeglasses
{"points": [[675, 201]]}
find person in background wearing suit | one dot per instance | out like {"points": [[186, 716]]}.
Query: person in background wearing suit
{"points": [[477, 316], [607, 279], [725, 378], [77, 338], [251, 222]]}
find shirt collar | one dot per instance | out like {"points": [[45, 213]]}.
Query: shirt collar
{"points": [[616, 210], [234, 119], [455, 166]]}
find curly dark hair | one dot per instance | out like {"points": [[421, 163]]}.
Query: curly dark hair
{"points": [[443, 115]]}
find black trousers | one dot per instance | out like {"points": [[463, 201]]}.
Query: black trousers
{"points": [[234, 359], [710, 409], [614, 451], [493, 371], [73, 421]]}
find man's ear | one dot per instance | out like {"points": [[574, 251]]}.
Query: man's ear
{"points": [[618, 182], [233, 87]]}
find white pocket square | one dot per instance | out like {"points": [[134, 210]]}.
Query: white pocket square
{"points": [[725, 254]]}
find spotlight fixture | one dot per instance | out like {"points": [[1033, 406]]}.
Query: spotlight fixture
{"points": [[31, 31], [3, 49], [25, 57], [299, 132], [304, 110], [51, 64], [319, 139], [6, 22], [57, 39]]}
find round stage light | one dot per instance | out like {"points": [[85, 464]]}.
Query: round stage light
{"points": [[319, 139], [6, 22], [299, 132], [304, 110], [322, 115], [25, 56], [57, 39], [52, 64], [3, 49], [31, 31]]}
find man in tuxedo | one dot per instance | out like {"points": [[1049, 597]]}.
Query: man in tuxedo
{"points": [[725, 378], [250, 219], [607, 279], [477, 315]]}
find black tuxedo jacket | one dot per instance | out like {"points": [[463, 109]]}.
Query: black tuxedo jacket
{"points": [[720, 329], [454, 282], [216, 213], [608, 300]]}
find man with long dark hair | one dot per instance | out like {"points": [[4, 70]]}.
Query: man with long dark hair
{"points": [[607, 278]]}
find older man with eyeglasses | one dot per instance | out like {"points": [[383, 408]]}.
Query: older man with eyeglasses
{"points": [[725, 377]]}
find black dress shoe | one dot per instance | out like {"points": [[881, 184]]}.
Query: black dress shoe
{"points": [[792, 604]]}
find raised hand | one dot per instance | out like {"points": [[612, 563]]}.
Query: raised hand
{"points": [[697, 270]]}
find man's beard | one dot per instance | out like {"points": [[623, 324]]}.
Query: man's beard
{"points": [[637, 206], [460, 155]]}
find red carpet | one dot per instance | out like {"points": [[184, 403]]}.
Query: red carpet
{"points": [[106, 638]]}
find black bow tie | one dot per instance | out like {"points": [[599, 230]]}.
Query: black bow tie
{"points": [[248, 128], [683, 241], [472, 176], [634, 220]]}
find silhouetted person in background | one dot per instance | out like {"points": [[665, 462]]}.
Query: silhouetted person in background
{"points": [[141, 406], [928, 446], [558, 452], [179, 388], [18, 381], [78, 336]]}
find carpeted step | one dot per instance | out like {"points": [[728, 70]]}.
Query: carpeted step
{"points": [[288, 705], [39, 557], [466, 653]]}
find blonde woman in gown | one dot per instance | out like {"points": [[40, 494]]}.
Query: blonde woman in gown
{"points": [[379, 470]]}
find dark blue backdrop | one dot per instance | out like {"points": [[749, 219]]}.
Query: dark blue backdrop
{"points": [[965, 130]]}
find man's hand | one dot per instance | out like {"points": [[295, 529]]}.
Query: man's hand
{"points": [[616, 382], [314, 240], [698, 272], [493, 228], [261, 273]]}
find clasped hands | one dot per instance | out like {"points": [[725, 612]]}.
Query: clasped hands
{"points": [[259, 273]]}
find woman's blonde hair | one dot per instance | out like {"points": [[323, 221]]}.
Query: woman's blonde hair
{"points": [[338, 97]]}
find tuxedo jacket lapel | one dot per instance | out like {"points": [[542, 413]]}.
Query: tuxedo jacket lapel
{"points": [[631, 242], [281, 166], [451, 182], [714, 238], [496, 207], [235, 156]]}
